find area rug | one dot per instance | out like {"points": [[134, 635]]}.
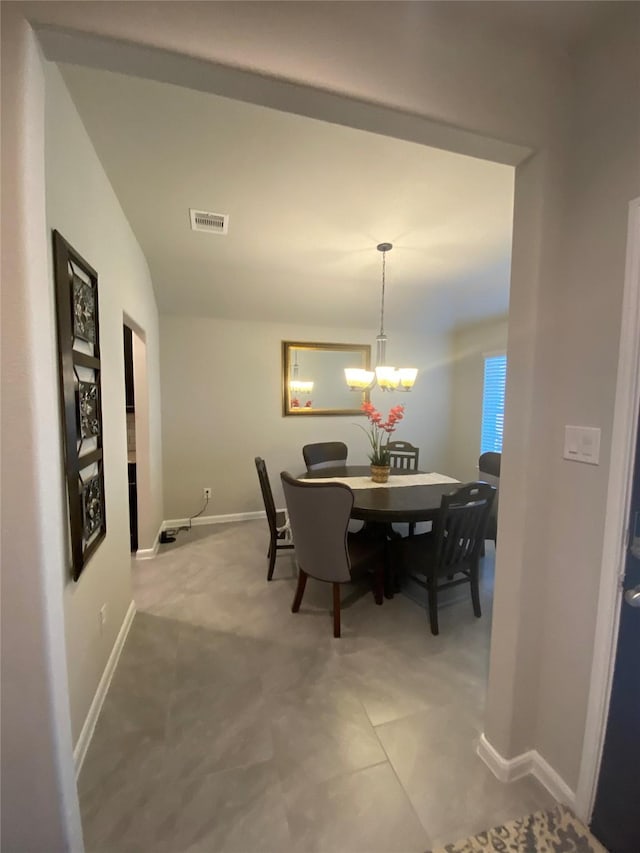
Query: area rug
{"points": [[555, 830]]}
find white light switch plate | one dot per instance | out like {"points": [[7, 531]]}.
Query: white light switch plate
{"points": [[582, 444]]}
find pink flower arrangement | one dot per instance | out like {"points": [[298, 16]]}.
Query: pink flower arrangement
{"points": [[379, 429]]}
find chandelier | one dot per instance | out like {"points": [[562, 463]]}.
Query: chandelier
{"points": [[387, 378], [297, 385]]}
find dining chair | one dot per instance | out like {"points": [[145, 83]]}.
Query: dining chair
{"points": [[279, 532], [402, 454], [489, 472], [324, 454], [319, 516], [452, 549]]}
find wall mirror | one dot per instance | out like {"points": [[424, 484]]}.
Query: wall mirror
{"points": [[313, 380]]}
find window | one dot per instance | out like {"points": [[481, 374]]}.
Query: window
{"points": [[495, 374]]}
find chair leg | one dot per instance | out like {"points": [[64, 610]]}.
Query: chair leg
{"points": [[475, 592], [336, 610], [432, 593], [378, 582], [390, 580], [272, 559], [302, 582]]}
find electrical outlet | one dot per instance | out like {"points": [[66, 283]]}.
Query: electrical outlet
{"points": [[206, 493], [102, 616]]}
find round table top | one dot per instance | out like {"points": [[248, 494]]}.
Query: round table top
{"points": [[391, 504]]}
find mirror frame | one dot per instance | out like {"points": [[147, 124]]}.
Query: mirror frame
{"points": [[358, 398]]}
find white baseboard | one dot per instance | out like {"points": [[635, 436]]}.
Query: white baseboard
{"points": [[81, 747], [525, 764], [171, 523], [150, 553], [553, 782], [506, 770]]}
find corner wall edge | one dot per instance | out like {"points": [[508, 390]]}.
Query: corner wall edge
{"points": [[529, 763]]}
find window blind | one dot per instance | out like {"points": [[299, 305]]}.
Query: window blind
{"points": [[495, 375]]}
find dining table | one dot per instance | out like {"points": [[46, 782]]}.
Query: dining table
{"points": [[408, 496]]}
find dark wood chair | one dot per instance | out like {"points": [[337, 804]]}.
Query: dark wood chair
{"points": [[278, 528], [452, 548], [489, 472], [319, 516], [324, 454], [403, 455]]}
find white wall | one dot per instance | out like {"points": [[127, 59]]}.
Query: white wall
{"points": [[469, 345], [546, 657], [81, 205], [214, 421], [39, 801], [582, 319]]}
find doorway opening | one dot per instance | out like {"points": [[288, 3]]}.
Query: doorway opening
{"points": [[144, 537], [130, 409]]}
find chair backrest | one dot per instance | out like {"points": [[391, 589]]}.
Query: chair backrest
{"points": [[460, 526], [489, 470], [267, 495], [325, 454], [403, 455], [319, 517], [489, 463]]}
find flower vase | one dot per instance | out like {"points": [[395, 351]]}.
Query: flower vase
{"points": [[380, 473]]}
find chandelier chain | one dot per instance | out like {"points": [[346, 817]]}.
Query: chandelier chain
{"points": [[384, 257]]}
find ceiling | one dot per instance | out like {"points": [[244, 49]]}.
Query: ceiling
{"points": [[307, 202], [550, 24]]}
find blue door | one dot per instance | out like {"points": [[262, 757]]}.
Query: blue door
{"points": [[616, 815]]}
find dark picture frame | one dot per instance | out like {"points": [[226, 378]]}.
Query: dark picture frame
{"points": [[76, 290]]}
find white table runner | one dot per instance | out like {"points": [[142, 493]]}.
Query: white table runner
{"points": [[432, 479]]}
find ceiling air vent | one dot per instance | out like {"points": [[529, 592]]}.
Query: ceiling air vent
{"points": [[212, 223]]}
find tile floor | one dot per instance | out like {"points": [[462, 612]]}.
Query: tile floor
{"points": [[233, 725]]}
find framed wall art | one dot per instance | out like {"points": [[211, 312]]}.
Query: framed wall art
{"points": [[76, 285]]}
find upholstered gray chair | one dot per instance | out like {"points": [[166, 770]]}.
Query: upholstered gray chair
{"points": [[402, 454], [325, 454], [489, 472], [279, 538], [452, 548], [319, 517]]}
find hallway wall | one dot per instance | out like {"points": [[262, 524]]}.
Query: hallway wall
{"points": [[83, 207], [579, 366], [39, 800]]}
